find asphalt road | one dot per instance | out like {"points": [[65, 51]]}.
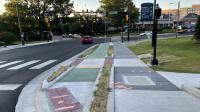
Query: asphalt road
{"points": [[16, 71], [118, 38]]}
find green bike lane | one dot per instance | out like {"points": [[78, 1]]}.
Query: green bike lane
{"points": [[79, 82]]}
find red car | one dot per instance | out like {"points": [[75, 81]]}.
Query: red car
{"points": [[87, 40]]}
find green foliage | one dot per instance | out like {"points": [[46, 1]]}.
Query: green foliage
{"points": [[120, 6], [8, 37], [197, 33]]}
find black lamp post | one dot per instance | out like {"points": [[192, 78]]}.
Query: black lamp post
{"points": [[157, 14]]}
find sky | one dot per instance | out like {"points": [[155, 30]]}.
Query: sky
{"points": [[94, 4]]}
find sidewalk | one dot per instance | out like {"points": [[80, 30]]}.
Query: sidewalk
{"points": [[2, 48], [138, 88], [71, 93]]}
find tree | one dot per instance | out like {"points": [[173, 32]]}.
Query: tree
{"points": [[33, 12], [197, 33], [120, 6]]}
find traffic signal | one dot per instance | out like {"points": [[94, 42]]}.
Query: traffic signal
{"points": [[158, 12], [83, 12], [46, 20], [127, 17], [74, 12]]}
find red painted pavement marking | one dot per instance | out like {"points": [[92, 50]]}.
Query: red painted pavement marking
{"points": [[59, 96], [119, 85], [64, 108], [63, 100]]}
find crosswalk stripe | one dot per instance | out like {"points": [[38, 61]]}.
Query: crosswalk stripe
{"points": [[43, 64], [2, 62], [6, 87], [11, 63], [23, 65]]}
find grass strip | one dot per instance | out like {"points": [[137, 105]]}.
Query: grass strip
{"points": [[99, 103], [57, 73], [88, 52]]}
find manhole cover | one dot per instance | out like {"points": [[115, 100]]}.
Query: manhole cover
{"points": [[138, 80]]}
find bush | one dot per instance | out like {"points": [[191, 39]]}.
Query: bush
{"points": [[8, 37], [197, 33]]}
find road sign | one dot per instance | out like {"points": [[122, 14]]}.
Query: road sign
{"points": [[113, 12]]}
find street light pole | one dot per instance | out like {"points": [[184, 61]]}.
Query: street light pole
{"points": [[157, 14], [177, 22], [19, 25]]}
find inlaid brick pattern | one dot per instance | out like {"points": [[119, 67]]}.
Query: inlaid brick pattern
{"points": [[151, 80], [108, 60], [77, 62], [63, 100]]}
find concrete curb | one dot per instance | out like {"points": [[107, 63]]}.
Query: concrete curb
{"points": [[32, 98], [111, 96], [191, 90], [46, 85]]}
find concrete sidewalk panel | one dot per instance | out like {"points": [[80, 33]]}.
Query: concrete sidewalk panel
{"points": [[91, 63], [182, 78], [155, 101], [129, 63]]}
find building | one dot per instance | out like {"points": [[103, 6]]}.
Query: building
{"points": [[183, 11], [190, 20]]}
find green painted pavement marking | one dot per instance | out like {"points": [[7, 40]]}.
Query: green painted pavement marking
{"points": [[81, 75], [100, 52]]}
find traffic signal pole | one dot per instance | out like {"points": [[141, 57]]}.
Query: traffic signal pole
{"points": [[157, 14]]}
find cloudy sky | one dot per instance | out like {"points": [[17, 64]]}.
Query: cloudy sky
{"points": [[93, 4]]}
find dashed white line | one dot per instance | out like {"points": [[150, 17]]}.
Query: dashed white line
{"points": [[43, 64], [23, 65], [8, 64], [2, 62], [7, 87]]}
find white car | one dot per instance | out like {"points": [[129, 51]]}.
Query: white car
{"points": [[146, 34]]}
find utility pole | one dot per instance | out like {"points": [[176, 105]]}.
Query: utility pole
{"points": [[178, 16], [19, 25], [128, 25], [157, 14]]}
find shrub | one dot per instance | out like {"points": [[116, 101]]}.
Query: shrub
{"points": [[8, 37], [197, 33]]}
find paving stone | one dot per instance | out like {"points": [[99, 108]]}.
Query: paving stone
{"points": [[129, 63], [138, 80], [91, 63]]}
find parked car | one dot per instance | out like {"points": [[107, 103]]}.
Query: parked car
{"points": [[67, 35], [87, 39], [146, 34]]}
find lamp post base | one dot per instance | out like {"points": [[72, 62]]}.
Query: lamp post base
{"points": [[154, 61]]}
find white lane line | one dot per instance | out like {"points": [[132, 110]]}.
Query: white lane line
{"points": [[43, 64], [2, 62], [7, 87], [23, 65], [8, 64]]}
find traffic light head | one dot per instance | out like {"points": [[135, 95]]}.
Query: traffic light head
{"points": [[158, 12]]}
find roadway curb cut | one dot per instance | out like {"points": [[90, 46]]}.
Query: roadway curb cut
{"points": [[32, 98], [191, 90]]}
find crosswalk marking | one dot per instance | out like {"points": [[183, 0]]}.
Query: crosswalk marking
{"points": [[2, 62], [23, 65], [6, 87], [11, 63], [43, 64]]}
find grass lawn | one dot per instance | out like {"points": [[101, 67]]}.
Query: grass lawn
{"points": [[168, 31], [175, 55]]}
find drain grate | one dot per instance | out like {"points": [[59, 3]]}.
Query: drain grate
{"points": [[138, 80]]}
